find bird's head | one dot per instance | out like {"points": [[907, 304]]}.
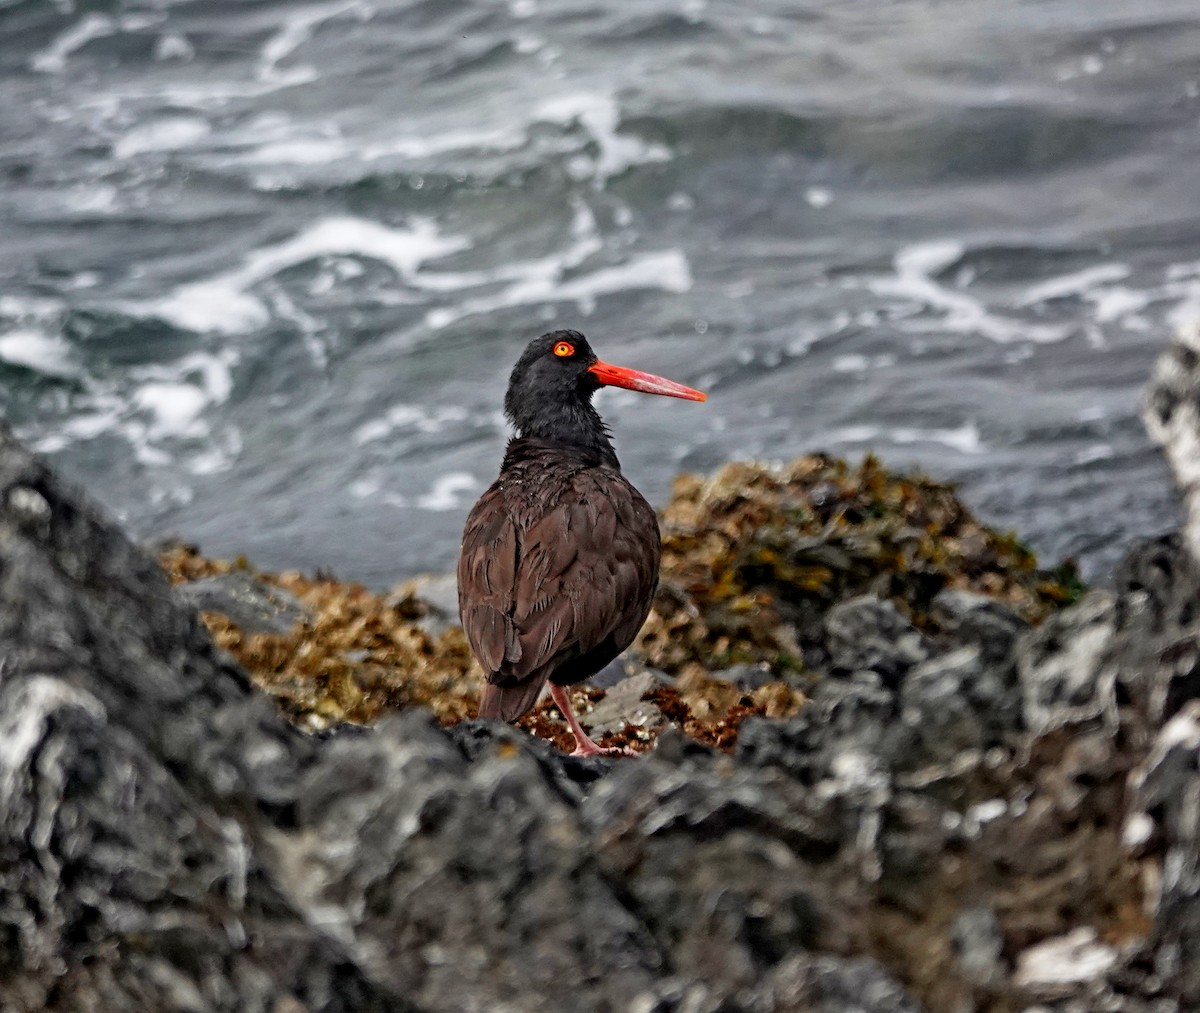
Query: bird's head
{"points": [[551, 387]]}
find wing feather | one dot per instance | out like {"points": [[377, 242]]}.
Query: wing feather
{"points": [[554, 568]]}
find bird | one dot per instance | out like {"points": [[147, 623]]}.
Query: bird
{"points": [[560, 556]]}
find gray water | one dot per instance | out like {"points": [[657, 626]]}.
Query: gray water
{"points": [[264, 266]]}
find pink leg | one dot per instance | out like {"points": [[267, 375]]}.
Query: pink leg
{"points": [[584, 746]]}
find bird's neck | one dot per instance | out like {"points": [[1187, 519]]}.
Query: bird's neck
{"points": [[577, 426]]}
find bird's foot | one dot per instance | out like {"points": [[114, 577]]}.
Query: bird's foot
{"points": [[588, 748], [584, 746]]}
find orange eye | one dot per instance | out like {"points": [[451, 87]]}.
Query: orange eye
{"points": [[564, 349]]}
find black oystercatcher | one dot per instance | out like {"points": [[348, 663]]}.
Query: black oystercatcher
{"points": [[560, 556]]}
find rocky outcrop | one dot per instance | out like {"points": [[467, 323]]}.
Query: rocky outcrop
{"points": [[969, 813]]}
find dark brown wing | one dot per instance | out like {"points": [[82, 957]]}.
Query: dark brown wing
{"points": [[555, 571]]}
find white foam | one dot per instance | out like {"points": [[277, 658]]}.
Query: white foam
{"points": [[173, 46], [93, 198], [298, 29], [43, 353], [421, 418], [1073, 284], [1096, 452], [168, 134], [25, 307], [427, 144], [665, 270], [155, 407], [1188, 269], [929, 258], [319, 149], [965, 438], [916, 267], [53, 59], [366, 486], [855, 363], [1119, 304], [1185, 315], [176, 407], [543, 280], [223, 303], [175, 396], [600, 116], [447, 491], [818, 197]]}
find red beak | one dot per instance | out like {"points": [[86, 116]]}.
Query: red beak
{"points": [[647, 383]]}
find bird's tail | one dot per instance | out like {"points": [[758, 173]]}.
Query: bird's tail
{"points": [[507, 703]]}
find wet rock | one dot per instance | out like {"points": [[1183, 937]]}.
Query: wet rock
{"points": [[614, 672], [138, 778], [1167, 793], [745, 677], [945, 825], [840, 717], [168, 842], [1064, 667], [470, 884], [623, 705], [869, 633], [253, 605], [956, 702], [1157, 650], [439, 596], [830, 985], [971, 618]]}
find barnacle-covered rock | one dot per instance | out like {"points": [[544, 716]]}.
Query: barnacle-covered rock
{"points": [[754, 556], [351, 656]]}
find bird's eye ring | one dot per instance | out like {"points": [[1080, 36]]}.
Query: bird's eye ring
{"points": [[564, 349]]}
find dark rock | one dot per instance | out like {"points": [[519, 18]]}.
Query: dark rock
{"points": [[972, 618], [870, 633], [1167, 792], [955, 702], [250, 603], [1065, 667], [970, 828], [139, 777], [570, 775], [1157, 651], [167, 842], [832, 985], [840, 717]]}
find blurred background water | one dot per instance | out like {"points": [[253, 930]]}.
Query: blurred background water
{"points": [[264, 266]]}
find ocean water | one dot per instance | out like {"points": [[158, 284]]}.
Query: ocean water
{"points": [[264, 266]]}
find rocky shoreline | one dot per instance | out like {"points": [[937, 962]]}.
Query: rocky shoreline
{"points": [[946, 780], [773, 577]]}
